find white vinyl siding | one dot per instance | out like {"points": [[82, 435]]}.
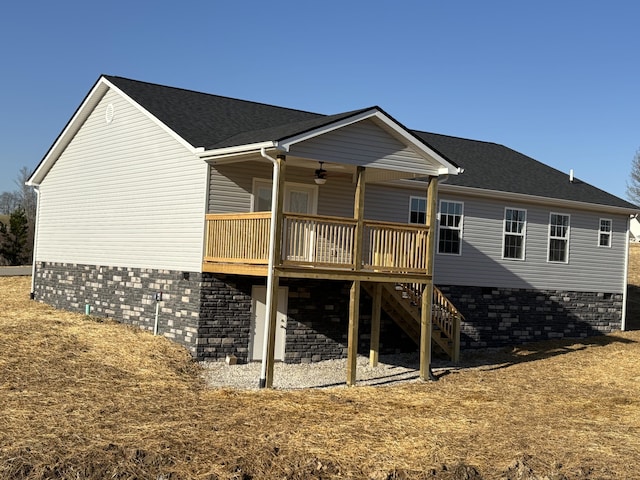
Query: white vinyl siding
{"points": [[124, 193], [514, 235], [604, 235]]}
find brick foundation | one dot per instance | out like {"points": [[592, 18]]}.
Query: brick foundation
{"points": [[210, 314], [496, 317], [126, 295]]}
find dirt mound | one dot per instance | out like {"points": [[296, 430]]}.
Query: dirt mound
{"points": [[82, 399]]}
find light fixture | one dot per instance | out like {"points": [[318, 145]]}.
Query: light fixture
{"points": [[321, 175]]}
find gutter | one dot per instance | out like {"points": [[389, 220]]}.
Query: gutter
{"points": [[625, 285], [32, 294], [238, 149]]}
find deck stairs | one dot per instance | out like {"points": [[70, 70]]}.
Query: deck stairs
{"points": [[402, 303]]}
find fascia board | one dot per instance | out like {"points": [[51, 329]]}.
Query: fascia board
{"points": [[235, 150], [516, 197], [524, 198], [446, 167]]}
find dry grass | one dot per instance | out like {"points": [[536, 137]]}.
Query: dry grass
{"points": [[86, 400]]}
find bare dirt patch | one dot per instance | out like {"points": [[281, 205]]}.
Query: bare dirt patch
{"points": [[81, 399]]}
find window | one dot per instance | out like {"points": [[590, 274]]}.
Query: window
{"points": [[514, 233], [604, 238], [418, 210], [450, 231], [558, 238]]}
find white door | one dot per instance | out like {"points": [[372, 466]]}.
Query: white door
{"points": [[258, 321]]}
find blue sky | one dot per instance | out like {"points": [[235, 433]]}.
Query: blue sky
{"points": [[556, 80]]}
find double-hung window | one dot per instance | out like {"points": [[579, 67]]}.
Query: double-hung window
{"points": [[515, 221], [450, 230], [604, 237], [558, 238]]}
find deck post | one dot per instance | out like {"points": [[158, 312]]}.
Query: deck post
{"points": [[352, 339], [427, 293], [275, 247], [354, 297], [376, 307]]}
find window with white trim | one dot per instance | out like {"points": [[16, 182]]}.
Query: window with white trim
{"points": [[515, 221], [450, 229], [418, 210], [558, 238], [604, 236]]}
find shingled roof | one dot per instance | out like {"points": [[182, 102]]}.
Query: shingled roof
{"points": [[213, 121], [490, 166]]}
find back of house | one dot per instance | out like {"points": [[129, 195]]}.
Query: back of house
{"points": [[164, 208]]}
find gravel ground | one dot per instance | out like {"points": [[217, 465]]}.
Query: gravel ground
{"points": [[391, 370]]}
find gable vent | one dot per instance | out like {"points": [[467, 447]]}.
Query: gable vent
{"points": [[108, 114]]}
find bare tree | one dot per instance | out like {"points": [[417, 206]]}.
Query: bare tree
{"points": [[26, 195], [633, 184], [8, 202]]}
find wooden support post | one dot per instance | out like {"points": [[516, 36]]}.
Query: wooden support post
{"points": [[352, 338], [427, 293], [358, 215], [354, 297], [426, 332], [273, 281], [375, 325]]}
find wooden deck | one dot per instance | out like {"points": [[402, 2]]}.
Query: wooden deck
{"points": [[315, 246]]}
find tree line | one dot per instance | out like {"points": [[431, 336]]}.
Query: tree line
{"points": [[17, 222]]}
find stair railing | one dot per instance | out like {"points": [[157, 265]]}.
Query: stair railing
{"points": [[444, 315]]}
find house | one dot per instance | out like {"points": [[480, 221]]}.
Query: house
{"points": [[268, 233]]}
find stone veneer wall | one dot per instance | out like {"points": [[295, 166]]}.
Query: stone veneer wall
{"points": [[126, 295], [225, 316], [496, 317], [317, 320]]}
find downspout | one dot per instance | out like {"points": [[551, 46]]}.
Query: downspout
{"points": [[623, 322], [271, 264], [32, 295]]}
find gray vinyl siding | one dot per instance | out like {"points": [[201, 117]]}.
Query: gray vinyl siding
{"points": [[364, 143], [590, 268], [231, 187], [124, 193]]}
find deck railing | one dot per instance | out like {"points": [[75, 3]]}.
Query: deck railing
{"points": [[238, 238], [316, 240], [395, 247]]}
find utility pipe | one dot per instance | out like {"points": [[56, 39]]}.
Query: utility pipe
{"points": [[625, 283], [272, 261], [32, 295]]}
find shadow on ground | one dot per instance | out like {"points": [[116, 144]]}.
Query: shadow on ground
{"points": [[633, 307]]}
